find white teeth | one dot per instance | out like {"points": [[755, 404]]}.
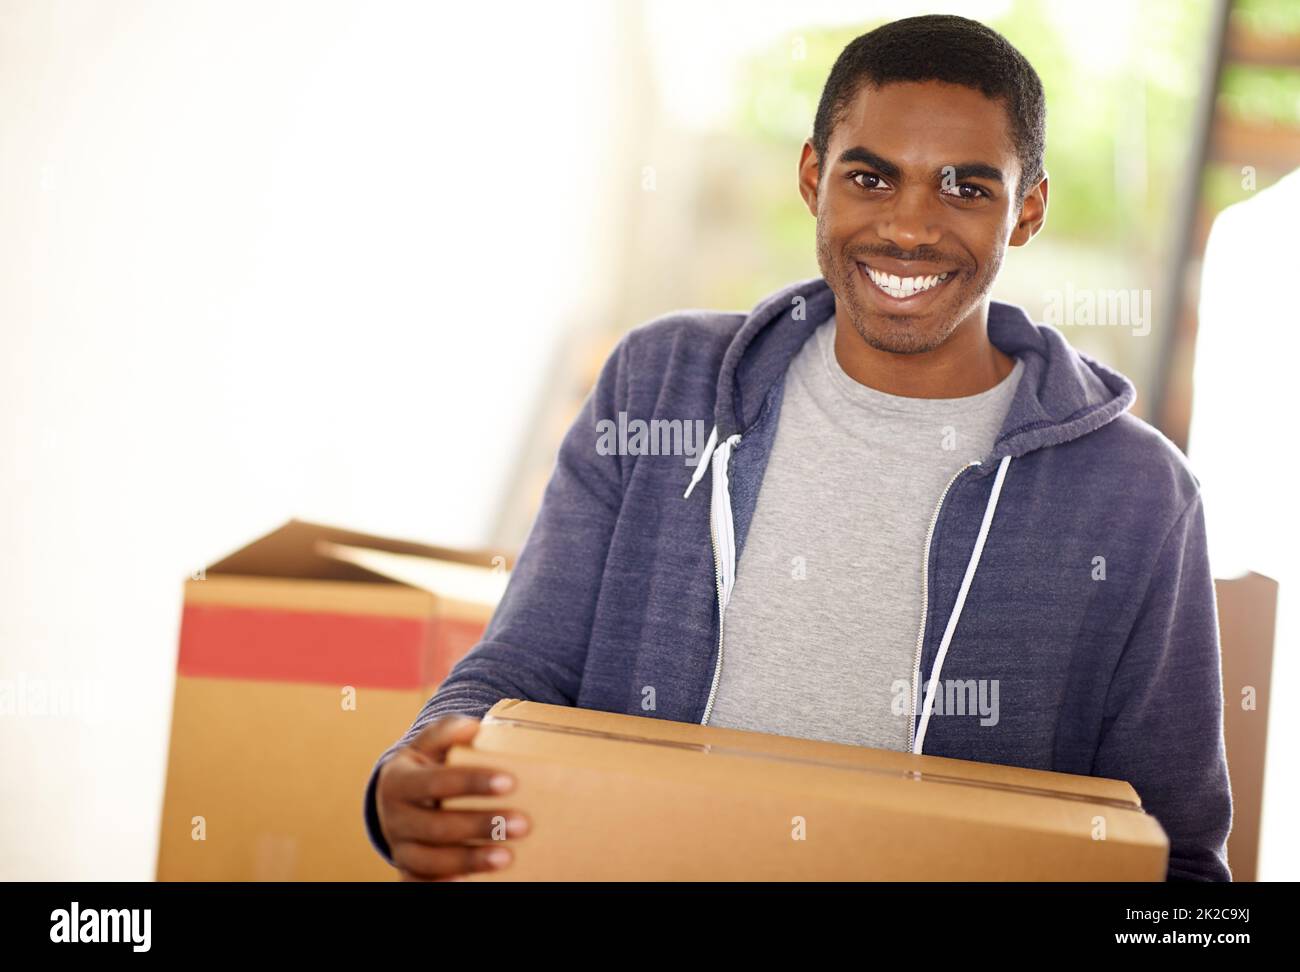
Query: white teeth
{"points": [[901, 287]]}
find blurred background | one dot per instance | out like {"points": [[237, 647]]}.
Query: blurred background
{"points": [[359, 263]]}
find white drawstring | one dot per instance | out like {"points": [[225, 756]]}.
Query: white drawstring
{"points": [[703, 463], [718, 455], [971, 567], [721, 508]]}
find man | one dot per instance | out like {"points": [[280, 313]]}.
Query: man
{"points": [[921, 522]]}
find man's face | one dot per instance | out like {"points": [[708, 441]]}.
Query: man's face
{"points": [[915, 205]]}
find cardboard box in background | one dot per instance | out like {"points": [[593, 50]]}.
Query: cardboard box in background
{"points": [[616, 797], [303, 656]]}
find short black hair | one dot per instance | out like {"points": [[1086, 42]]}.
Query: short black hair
{"points": [[940, 47]]}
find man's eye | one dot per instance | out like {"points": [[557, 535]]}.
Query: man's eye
{"points": [[857, 176], [968, 190]]}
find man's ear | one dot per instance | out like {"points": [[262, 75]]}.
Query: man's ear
{"points": [[809, 176], [1033, 213]]}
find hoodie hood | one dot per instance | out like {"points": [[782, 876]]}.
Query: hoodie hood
{"points": [[1063, 393]]}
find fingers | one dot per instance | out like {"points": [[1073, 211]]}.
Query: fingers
{"points": [[409, 781], [436, 738], [427, 843], [426, 863], [458, 826]]}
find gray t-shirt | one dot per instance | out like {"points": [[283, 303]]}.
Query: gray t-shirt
{"points": [[820, 633]]}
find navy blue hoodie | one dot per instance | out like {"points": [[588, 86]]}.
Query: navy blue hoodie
{"points": [[1069, 565]]}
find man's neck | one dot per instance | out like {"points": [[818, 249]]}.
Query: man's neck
{"points": [[966, 364]]}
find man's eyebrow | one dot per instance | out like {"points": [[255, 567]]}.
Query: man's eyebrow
{"points": [[867, 157], [966, 170], [974, 170]]}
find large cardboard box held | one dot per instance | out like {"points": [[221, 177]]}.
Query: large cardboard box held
{"points": [[303, 656], [616, 797]]}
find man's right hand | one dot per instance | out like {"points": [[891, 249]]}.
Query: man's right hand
{"points": [[428, 843]]}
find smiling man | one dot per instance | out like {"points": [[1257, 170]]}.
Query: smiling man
{"points": [[921, 522]]}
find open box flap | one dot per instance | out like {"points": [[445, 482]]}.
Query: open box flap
{"points": [[294, 551]]}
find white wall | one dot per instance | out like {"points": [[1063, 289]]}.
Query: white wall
{"points": [[1242, 448], [258, 260]]}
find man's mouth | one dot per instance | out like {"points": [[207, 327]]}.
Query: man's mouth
{"points": [[905, 288]]}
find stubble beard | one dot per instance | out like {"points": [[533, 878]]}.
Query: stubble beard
{"points": [[895, 333]]}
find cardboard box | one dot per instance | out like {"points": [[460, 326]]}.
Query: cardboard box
{"points": [[616, 797], [297, 667]]}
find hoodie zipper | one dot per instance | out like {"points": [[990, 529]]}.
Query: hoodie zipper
{"points": [[925, 599], [730, 444], [717, 580]]}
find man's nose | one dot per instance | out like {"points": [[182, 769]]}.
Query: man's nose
{"points": [[911, 219]]}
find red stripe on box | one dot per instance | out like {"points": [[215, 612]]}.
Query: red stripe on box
{"points": [[451, 639], [335, 649]]}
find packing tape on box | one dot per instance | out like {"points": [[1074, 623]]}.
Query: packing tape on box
{"points": [[917, 775]]}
